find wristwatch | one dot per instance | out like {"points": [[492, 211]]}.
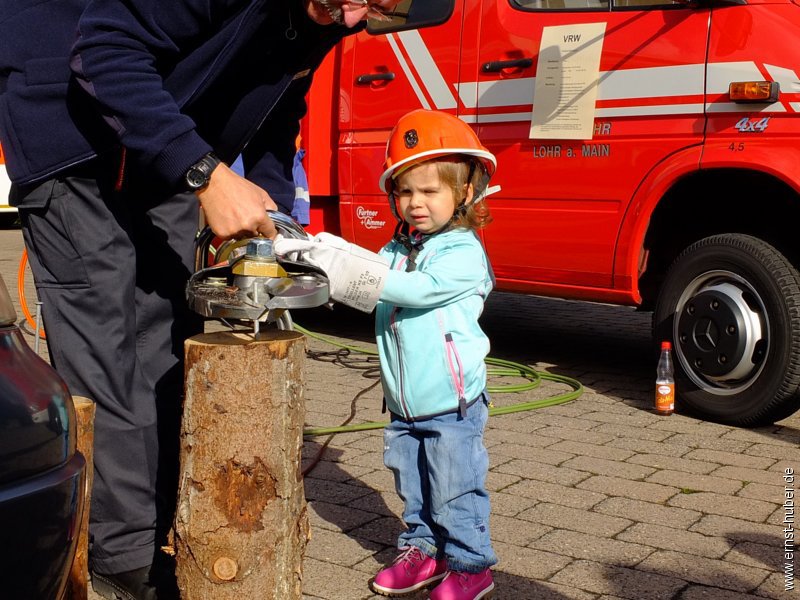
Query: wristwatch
{"points": [[199, 174]]}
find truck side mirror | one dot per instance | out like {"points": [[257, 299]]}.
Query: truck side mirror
{"points": [[413, 14]]}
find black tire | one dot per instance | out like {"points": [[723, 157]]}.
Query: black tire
{"points": [[731, 306]]}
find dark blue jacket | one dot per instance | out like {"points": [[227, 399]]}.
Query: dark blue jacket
{"points": [[167, 79]]}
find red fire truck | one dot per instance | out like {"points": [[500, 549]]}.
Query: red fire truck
{"points": [[648, 154]]}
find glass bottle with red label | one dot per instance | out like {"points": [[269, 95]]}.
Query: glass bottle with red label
{"points": [[665, 381]]}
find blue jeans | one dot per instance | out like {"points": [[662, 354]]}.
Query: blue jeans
{"points": [[440, 467]]}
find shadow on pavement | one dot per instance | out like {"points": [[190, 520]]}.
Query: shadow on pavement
{"points": [[762, 550], [340, 499]]}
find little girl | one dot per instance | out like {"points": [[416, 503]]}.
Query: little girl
{"points": [[430, 283]]}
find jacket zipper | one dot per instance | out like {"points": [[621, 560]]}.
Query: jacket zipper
{"points": [[398, 347], [456, 372]]}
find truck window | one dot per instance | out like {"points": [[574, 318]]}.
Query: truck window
{"points": [[575, 5], [561, 4]]}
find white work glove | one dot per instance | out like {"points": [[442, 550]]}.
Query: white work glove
{"points": [[356, 276], [292, 256]]}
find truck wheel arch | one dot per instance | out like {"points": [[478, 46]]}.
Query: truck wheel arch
{"points": [[674, 212], [636, 222]]}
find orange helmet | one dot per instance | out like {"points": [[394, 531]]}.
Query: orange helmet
{"points": [[424, 134]]}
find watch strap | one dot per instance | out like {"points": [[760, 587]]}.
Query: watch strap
{"points": [[199, 174]]}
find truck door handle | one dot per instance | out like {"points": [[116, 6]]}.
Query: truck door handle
{"points": [[369, 78], [499, 65]]}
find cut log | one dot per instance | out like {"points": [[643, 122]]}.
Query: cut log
{"points": [[241, 526], [77, 586]]}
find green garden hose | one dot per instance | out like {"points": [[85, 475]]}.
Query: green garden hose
{"points": [[497, 368]]}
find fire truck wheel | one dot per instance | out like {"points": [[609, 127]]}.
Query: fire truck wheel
{"points": [[731, 306]]}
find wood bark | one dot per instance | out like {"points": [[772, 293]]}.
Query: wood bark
{"points": [[77, 585], [241, 526]]}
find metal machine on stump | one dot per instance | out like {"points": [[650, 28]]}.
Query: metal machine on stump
{"points": [[241, 526]]}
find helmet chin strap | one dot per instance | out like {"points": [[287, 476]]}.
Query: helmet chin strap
{"points": [[402, 235]]}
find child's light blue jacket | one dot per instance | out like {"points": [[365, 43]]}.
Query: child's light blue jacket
{"points": [[431, 348]]}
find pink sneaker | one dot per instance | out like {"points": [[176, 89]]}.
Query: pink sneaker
{"points": [[412, 570], [464, 586]]}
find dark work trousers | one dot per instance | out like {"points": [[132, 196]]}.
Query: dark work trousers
{"points": [[110, 268]]}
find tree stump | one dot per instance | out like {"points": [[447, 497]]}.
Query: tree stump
{"points": [[77, 586], [241, 526]]}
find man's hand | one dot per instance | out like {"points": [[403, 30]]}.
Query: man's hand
{"points": [[348, 12], [356, 276], [235, 207]]}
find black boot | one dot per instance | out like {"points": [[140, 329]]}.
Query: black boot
{"points": [[140, 584]]}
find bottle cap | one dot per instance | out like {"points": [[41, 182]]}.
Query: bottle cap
{"points": [[665, 345]]}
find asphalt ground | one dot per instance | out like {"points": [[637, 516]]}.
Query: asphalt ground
{"points": [[598, 498]]}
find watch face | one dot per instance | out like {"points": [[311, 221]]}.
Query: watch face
{"points": [[199, 174], [196, 179]]}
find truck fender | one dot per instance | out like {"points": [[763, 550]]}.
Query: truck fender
{"points": [[637, 216]]}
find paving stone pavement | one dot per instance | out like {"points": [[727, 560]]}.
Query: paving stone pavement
{"points": [[598, 498]]}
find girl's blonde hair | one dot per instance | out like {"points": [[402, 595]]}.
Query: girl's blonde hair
{"points": [[454, 171]]}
